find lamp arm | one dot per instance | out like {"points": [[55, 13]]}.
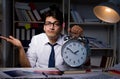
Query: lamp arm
{"points": [[116, 2]]}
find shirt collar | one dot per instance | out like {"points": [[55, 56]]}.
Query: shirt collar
{"points": [[59, 41]]}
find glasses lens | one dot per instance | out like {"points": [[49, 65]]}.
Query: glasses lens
{"points": [[56, 23], [47, 23]]}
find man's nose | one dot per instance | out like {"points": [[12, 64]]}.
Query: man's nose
{"points": [[52, 26]]}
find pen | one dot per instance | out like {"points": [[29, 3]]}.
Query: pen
{"points": [[45, 74]]}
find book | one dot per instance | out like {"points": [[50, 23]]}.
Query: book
{"points": [[33, 32], [21, 5], [107, 62], [28, 34], [96, 61], [42, 11], [23, 34], [112, 61], [17, 33], [75, 72], [24, 12], [103, 61], [73, 16], [78, 17], [31, 15], [19, 14], [26, 15], [35, 12], [23, 15]]}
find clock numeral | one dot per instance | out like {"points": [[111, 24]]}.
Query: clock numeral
{"points": [[81, 57], [78, 60], [65, 52], [66, 57], [74, 62], [83, 53]]}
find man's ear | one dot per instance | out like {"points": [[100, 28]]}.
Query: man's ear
{"points": [[63, 27], [44, 27], [63, 24]]}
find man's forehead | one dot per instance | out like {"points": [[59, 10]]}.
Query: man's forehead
{"points": [[51, 19]]}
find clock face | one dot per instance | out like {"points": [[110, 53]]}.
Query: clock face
{"points": [[74, 53]]}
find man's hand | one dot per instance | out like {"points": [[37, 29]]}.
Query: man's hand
{"points": [[75, 31], [12, 40]]}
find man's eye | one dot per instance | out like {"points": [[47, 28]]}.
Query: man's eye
{"points": [[47, 23], [58, 24]]}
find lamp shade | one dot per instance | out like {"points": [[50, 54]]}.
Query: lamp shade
{"points": [[107, 12]]}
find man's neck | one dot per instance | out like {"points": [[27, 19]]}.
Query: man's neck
{"points": [[53, 40]]}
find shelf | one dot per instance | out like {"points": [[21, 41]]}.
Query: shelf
{"points": [[28, 22], [39, 1], [91, 23], [101, 31], [101, 48], [102, 34]]}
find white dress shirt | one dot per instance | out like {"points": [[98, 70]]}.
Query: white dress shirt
{"points": [[39, 51]]}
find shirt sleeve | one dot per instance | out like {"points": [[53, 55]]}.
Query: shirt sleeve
{"points": [[31, 53]]}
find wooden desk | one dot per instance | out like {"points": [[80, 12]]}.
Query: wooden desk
{"points": [[51, 74]]}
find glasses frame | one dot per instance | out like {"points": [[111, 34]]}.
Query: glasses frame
{"points": [[56, 23]]}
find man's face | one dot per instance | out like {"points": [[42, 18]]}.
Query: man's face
{"points": [[52, 27]]}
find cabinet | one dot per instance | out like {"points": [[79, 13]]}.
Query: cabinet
{"points": [[102, 36], [28, 20]]}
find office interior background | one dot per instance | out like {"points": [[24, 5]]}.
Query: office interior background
{"points": [[6, 24]]}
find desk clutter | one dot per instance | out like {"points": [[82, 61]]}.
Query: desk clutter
{"points": [[52, 73]]}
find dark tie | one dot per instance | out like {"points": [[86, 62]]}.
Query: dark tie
{"points": [[51, 62]]}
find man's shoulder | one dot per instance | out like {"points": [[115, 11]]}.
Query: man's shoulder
{"points": [[39, 35], [63, 35]]}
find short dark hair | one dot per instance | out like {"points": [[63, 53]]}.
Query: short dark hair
{"points": [[56, 13]]}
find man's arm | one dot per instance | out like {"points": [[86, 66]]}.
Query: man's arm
{"points": [[23, 59], [24, 62]]}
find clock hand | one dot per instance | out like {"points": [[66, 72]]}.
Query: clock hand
{"points": [[76, 51], [70, 50]]}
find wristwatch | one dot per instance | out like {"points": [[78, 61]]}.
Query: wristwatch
{"points": [[74, 52]]}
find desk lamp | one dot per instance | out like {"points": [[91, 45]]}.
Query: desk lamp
{"points": [[108, 11]]}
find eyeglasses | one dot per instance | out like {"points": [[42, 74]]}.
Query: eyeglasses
{"points": [[56, 23]]}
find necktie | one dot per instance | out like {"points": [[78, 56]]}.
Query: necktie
{"points": [[51, 62]]}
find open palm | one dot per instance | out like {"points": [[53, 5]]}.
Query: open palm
{"points": [[12, 40]]}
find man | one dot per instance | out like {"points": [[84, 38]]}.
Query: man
{"points": [[39, 50]]}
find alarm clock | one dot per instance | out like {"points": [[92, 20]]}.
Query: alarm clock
{"points": [[74, 52]]}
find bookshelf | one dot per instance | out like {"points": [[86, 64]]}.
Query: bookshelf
{"points": [[28, 20], [102, 36]]}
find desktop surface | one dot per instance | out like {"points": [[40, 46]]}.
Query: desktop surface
{"points": [[52, 73]]}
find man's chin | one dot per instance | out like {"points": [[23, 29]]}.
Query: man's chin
{"points": [[52, 36]]}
